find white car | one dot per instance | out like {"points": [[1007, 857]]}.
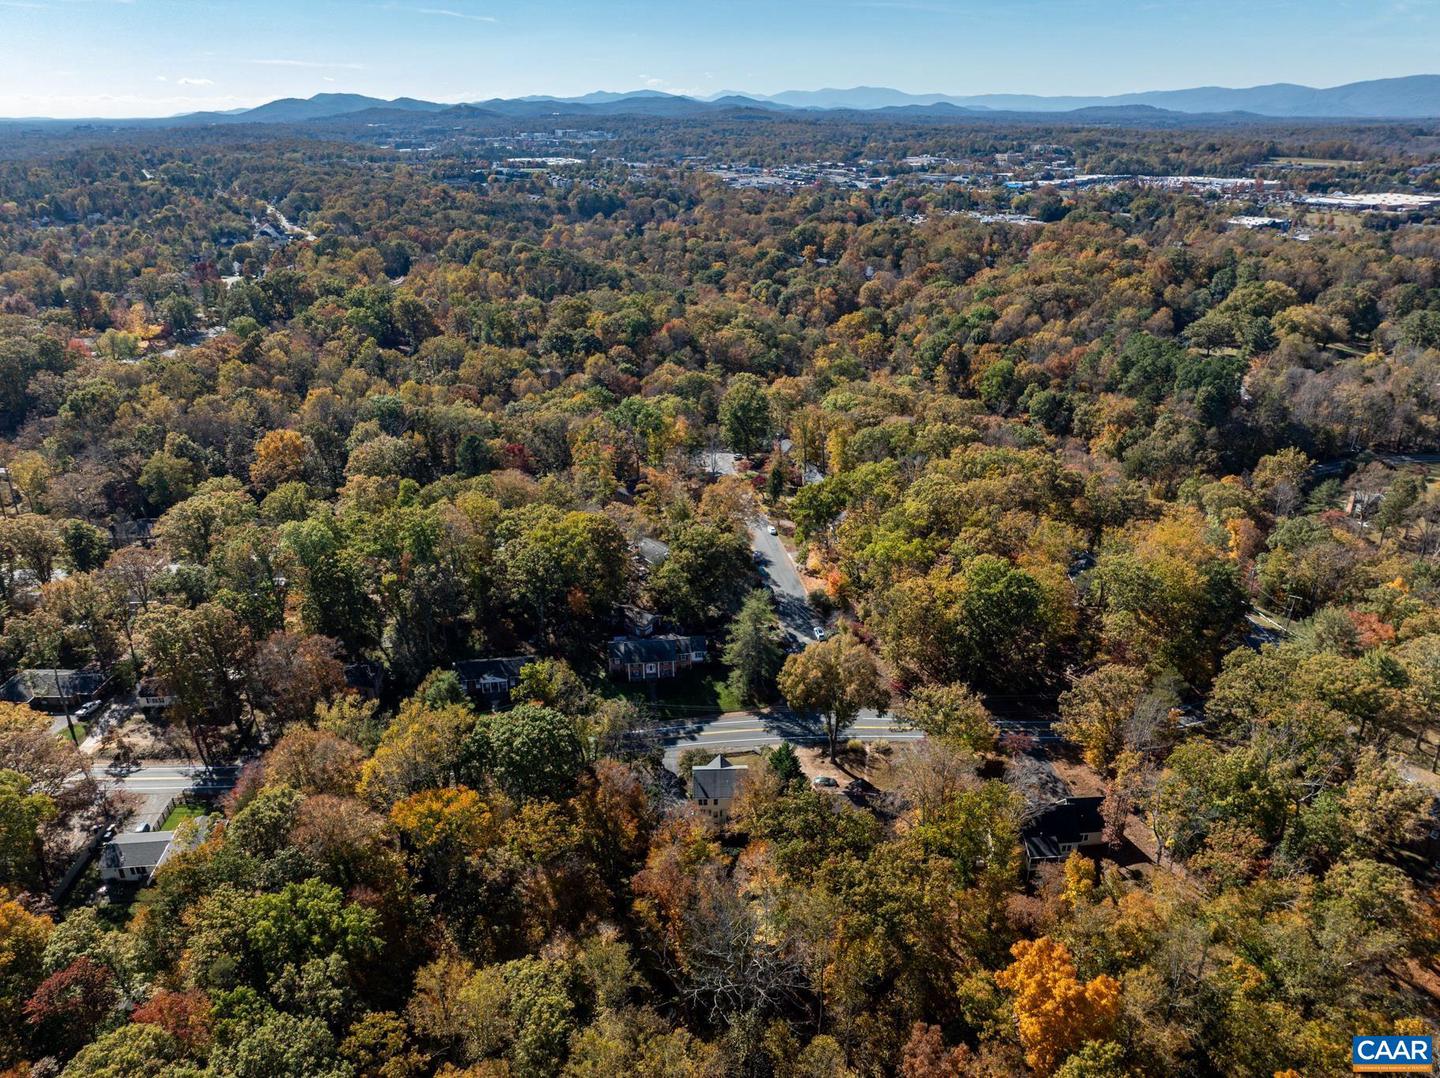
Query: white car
{"points": [[824, 781], [772, 529], [819, 633]]}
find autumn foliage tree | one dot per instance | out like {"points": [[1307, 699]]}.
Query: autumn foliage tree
{"points": [[1055, 1012], [836, 678]]}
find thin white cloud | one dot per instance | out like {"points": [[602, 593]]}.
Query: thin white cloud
{"points": [[271, 61], [447, 13], [190, 81]]}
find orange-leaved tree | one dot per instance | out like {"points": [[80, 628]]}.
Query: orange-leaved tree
{"points": [[1055, 1011]]}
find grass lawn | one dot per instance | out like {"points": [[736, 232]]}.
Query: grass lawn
{"points": [[693, 694], [185, 810], [80, 731]]}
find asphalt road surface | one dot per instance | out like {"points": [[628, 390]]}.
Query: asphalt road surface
{"points": [[153, 786], [751, 730], [791, 604]]}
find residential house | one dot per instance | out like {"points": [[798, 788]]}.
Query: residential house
{"points": [[134, 857], [492, 680], [1363, 503], [656, 658], [713, 786], [1068, 825], [366, 679], [55, 690], [140, 531], [153, 696]]}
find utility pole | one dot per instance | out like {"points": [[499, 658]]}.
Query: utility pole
{"points": [[65, 703], [12, 502]]}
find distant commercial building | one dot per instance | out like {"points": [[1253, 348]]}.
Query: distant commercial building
{"points": [[1394, 202], [1251, 223], [713, 786]]}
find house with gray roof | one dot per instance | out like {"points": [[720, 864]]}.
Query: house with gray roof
{"points": [[491, 681], [54, 690], [654, 658], [134, 857], [713, 786]]}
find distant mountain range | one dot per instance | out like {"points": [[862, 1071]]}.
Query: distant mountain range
{"points": [[1411, 97]]}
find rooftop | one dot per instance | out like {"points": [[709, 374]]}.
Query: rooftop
{"points": [[1064, 823], [657, 649], [137, 849]]}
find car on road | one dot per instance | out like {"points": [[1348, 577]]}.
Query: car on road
{"points": [[818, 632], [824, 782], [772, 529], [757, 556]]}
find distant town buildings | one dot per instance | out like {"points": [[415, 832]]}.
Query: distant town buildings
{"points": [[1383, 201], [1251, 223]]}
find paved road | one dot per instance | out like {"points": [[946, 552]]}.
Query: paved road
{"points": [[1336, 465], [749, 730], [792, 606], [791, 603], [155, 785]]}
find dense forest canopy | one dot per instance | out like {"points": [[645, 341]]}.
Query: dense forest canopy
{"points": [[1114, 494]]}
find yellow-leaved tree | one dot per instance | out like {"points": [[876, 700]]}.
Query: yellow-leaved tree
{"points": [[1055, 1011]]}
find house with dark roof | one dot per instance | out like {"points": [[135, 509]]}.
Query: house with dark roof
{"points": [[1074, 823], [153, 695], [134, 856], [654, 658], [491, 681], [54, 690], [140, 531], [364, 678], [713, 786]]}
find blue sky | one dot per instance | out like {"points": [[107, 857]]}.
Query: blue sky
{"points": [[158, 57]]}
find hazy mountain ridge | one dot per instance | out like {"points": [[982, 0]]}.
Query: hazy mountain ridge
{"points": [[1409, 97]]}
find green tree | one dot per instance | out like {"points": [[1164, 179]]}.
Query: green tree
{"points": [[1396, 505], [533, 752], [1096, 712], [131, 1050], [703, 580], [837, 679], [785, 763], [951, 713], [23, 812], [751, 650], [746, 416]]}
